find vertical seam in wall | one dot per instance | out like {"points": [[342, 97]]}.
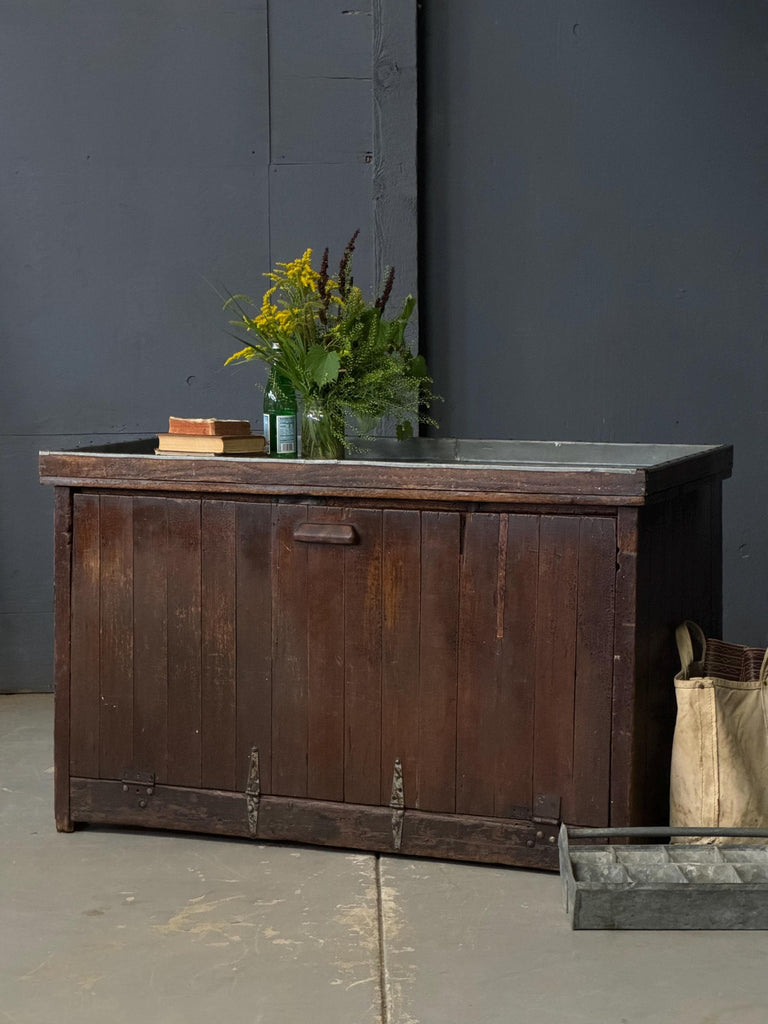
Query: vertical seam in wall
{"points": [[269, 138]]}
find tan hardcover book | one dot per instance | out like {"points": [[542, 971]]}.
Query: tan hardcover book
{"points": [[247, 444], [208, 427]]}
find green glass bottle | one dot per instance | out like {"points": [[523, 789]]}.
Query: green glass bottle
{"points": [[280, 415]]}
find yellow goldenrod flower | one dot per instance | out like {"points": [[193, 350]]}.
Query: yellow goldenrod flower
{"points": [[244, 353]]}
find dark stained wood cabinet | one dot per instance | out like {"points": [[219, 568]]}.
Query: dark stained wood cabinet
{"points": [[443, 649]]}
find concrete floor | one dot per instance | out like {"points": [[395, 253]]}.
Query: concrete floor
{"points": [[108, 926]]}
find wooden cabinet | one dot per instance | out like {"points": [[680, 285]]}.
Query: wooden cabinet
{"points": [[440, 658]]}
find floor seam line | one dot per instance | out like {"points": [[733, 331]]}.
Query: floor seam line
{"points": [[383, 989]]}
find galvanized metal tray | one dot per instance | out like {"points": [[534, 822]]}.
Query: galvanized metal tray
{"points": [[665, 886]]}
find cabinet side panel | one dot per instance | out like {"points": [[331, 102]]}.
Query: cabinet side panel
{"points": [[184, 755], [400, 651], [84, 693], [514, 757], [556, 659], [254, 641], [150, 654], [479, 664], [116, 649], [289, 654], [362, 657], [218, 645], [679, 577], [594, 671], [62, 627], [438, 660], [325, 663]]}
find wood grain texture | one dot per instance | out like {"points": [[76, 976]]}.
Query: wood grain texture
{"points": [[215, 812], [513, 797], [184, 610], [62, 570], [84, 695], [254, 640], [485, 840], [150, 646], [556, 658], [534, 645], [479, 663], [438, 660], [289, 654], [361, 480], [116, 628], [594, 670], [624, 669], [362, 660], [400, 654], [218, 654], [322, 823], [325, 662]]}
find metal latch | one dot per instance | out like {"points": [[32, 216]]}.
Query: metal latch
{"points": [[546, 812], [397, 803], [253, 792], [141, 783], [546, 809]]}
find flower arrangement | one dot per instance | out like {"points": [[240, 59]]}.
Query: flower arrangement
{"points": [[339, 352]]}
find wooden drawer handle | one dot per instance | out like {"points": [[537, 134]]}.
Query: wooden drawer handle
{"points": [[326, 533]]}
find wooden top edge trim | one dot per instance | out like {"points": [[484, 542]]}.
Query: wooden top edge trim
{"points": [[390, 493], [463, 481]]}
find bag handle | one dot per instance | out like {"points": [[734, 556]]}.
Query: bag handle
{"points": [[689, 636]]}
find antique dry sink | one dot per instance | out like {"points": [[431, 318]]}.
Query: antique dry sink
{"points": [[443, 648]]}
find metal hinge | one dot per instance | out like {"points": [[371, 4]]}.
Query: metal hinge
{"points": [[139, 782], [253, 792], [546, 809], [397, 803]]}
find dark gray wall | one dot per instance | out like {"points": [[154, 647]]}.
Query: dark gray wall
{"points": [[150, 147], [594, 235]]}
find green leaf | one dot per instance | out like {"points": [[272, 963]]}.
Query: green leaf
{"points": [[404, 430], [408, 307], [417, 368], [322, 365]]}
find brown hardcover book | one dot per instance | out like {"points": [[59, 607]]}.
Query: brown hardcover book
{"points": [[208, 427], [208, 444]]}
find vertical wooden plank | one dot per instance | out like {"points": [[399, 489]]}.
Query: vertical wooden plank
{"points": [[401, 626], [150, 648], [184, 749], [116, 648], [362, 658], [62, 564], [325, 663], [594, 671], [438, 660], [84, 685], [479, 650], [514, 758], [624, 667], [556, 659], [289, 654], [218, 645], [254, 640]]}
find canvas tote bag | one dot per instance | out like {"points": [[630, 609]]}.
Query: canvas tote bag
{"points": [[719, 772]]}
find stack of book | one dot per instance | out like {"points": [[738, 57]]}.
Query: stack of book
{"points": [[209, 437]]}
